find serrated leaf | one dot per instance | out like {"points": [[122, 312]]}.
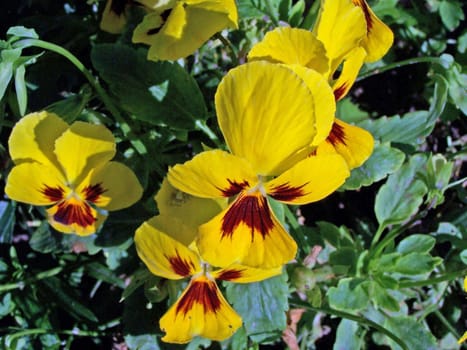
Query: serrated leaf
{"points": [[383, 161], [7, 221], [350, 294], [399, 198], [414, 334], [416, 243], [262, 306]]}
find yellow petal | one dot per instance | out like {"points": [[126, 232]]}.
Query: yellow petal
{"points": [[175, 228], [309, 180], [352, 64], [158, 5], [462, 339], [213, 174], [163, 255], [246, 233], [113, 17], [291, 46], [82, 147], [193, 211], [379, 37], [351, 142], [147, 30], [341, 27], [266, 114], [33, 138], [244, 274], [465, 283], [201, 310], [36, 184], [112, 186]]}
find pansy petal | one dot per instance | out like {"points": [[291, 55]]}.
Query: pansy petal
{"points": [[175, 228], [247, 233], [36, 184], [340, 27], [266, 113], [82, 147], [379, 36], [244, 274], [113, 17], [213, 174], [291, 46], [201, 310], [112, 186], [351, 142], [463, 338], [163, 255], [352, 64], [309, 180], [33, 138]]}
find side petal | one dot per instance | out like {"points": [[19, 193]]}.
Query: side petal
{"points": [[309, 180], [82, 147], [379, 37], [33, 138], [112, 186], [266, 113], [163, 255], [291, 46], [351, 142], [201, 310], [244, 274], [213, 174], [247, 233], [352, 64], [36, 184]]}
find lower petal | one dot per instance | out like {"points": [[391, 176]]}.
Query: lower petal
{"points": [[352, 64]]}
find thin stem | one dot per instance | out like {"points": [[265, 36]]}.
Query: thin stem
{"points": [[232, 51], [40, 276], [447, 324], [455, 183], [36, 331], [377, 235], [355, 318], [430, 281], [202, 126]]}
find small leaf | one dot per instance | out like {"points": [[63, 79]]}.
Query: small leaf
{"points": [[103, 273], [414, 333], [43, 240], [416, 243], [70, 108], [350, 294], [7, 221], [6, 305], [381, 298], [20, 88], [22, 32], [142, 342], [296, 13], [416, 264], [451, 13], [7, 62], [344, 260], [349, 335]]}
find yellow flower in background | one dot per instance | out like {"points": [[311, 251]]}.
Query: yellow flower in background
{"points": [[177, 28], [114, 16], [201, 310], [268, 114], [464, 336], [69, 169]]}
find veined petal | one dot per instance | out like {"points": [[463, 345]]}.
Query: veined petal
{"points": [[247, 233], [352, 64], [33, 138], [82, 147], [351, 142], [36, 184], [309, 180], [379, 37], [291, 46], [111, 186], [213, 174], [265, 112], [341, 27], [201, 310], [193, 211], [163, 255], [244, 274], [113, 17]]}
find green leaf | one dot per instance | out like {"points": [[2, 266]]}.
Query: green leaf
{"points": [[137, 280], [262, 306], [6, 305], [7, 221], [451, 13], [344, 260], [22, 32], [416, 264], [383, 161], [160, 93], [103, 273], [463, 256], [349, 295], [381, 298], [258, 8], [20, 88], [336, 236], [399, 198], [43, 240], [7, 62], [142, 342], [349, 335], [296, 13], [416, 243], [70, 108]]}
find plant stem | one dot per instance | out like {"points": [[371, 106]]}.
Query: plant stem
{"points": [[202, 126], [232, 52], [447, 324], [430, 281], [41, 275]]}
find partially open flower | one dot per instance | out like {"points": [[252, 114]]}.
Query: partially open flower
{"points": [[69, 169]]}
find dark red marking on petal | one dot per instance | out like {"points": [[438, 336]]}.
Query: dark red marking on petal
{"points": [[55, 194], [74, 212], [200, 292], [229, 275], [251, 210], [366, 11], [234, 188], [337, 135], [287, 193], [339, 92], [93, 192], [180, 266]]}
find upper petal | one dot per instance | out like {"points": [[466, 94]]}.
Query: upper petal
{"points": [[309, 180], [291, 46], [201, 310], [163, 255], [352, 64], [266, 114], [213, 174], [33, 138], [83, 147], [245, 274]]}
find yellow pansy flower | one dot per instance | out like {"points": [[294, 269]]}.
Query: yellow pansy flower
{"points": [[201, 309], [180, 27], [268, 114], [113, 18], [69, 169], [464, 336]]}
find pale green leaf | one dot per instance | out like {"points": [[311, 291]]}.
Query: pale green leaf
{"points": [[416, 243], [349, 295]]}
